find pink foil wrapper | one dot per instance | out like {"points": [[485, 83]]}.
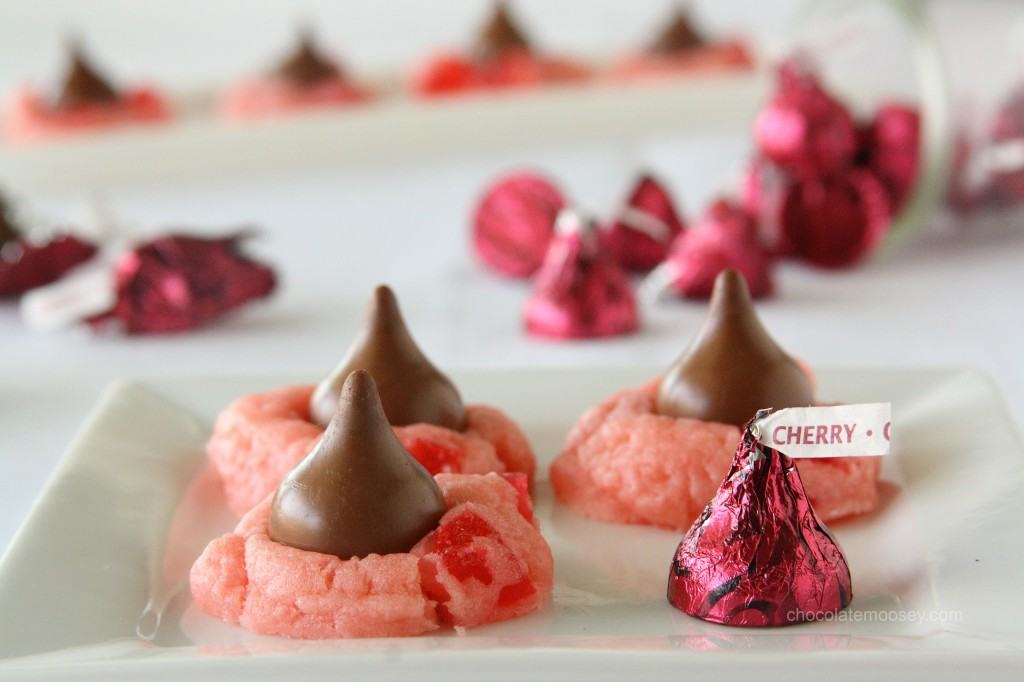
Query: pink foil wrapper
{"points": [[25, 265], [644, 228], [834, 221], [179, 282], [514, 222], [580, 291], [726, 237], [759, 556], [803, 128], [892, 149]]}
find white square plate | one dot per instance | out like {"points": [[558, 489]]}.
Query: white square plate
{"points": [[936, 571]]}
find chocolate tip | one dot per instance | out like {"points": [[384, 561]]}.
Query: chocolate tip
{"points": [[384, 309], [358, 386], [383, 294], [359, 400], [730, 290]]}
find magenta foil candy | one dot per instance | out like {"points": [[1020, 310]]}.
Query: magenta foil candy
{"points": [[758, 555], [643, 229], [804, 129], [580, 291], [514, 222], [725, 237], [179, 282]]}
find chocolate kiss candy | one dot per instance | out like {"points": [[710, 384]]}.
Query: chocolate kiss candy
{"points": [[307, 66], [733, 368], [83, 84], [358, 492], [499, 35], [178, 282], [412, 390], [580, 292], [758, 555], [514, 223], [725, 237], [892, 141], [834, 221], [804, 128], [645, 227], [678, 35]]}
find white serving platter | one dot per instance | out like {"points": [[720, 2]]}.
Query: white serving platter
{"points": [[89, 589], [198, 146]]}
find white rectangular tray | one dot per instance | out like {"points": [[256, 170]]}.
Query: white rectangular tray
{"points": [[936, 571], [197, 146]]}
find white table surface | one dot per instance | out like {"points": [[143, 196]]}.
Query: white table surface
{"points": [[951, 298]]}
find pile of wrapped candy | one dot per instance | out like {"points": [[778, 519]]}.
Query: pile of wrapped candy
{"points": [[172, 283], [824, 187], [821, 189]]}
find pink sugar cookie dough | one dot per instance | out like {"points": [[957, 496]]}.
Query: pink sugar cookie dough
{"points": [[485, 562], [260, 437], [727, 55], [30, 117], [623, 462]]}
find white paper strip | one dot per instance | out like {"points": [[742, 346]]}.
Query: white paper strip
{"points": [[86, 291], [833, 431]]}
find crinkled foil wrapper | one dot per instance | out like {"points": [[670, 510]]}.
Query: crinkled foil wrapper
{"points": [[515, 222], [25, 266], [179, 282], [725, 237], [580, 292], [759, 556], [643, 230]]}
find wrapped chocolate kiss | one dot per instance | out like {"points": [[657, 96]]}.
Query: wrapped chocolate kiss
{"points": [[891, 145], [514, 222], [803, 128], [27, 263], [580, 291], [725, 238], [643, 229], [835, 221], [759, 555]]}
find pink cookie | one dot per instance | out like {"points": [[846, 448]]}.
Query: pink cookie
{"points": [[729, 55], [485, 562], [30, 117], [269, 96], [448, 73], [260, 437], [623, 462]]}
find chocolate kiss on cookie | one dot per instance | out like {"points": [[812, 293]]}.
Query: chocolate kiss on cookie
{"points": [[306, 66], [412, 390], [499, 35], [678, 35], [83, 84], [733, 368], [359, 491]]}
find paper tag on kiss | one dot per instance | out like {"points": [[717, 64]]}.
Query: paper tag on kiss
{"points": [[832, 431], [87, 290]]}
